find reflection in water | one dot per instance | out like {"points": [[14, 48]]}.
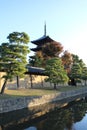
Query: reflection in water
{"points": [[31, 128], [82, 125], [72, 117], [65, 118]]}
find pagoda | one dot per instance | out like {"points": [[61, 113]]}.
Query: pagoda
{"points": [[40, 44], [41, 41]]}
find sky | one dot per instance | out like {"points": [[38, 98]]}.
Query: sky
{"points": [[66, 22]]}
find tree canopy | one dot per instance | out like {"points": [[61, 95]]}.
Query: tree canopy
{"points": [[76, 72], [52, 49], [48, 50], [13, 54], [67, 61], [55, 71]]}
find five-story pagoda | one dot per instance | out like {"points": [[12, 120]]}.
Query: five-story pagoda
{"points": [[50, 46], [41, 41]]}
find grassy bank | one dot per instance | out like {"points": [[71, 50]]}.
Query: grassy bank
{"points": [[36, 91]]}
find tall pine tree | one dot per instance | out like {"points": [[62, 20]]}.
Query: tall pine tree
{"points": [[13, 56], [55, 71]]}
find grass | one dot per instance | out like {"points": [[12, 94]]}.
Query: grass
{"points": [[29, 92], [36, 91], [68, 88]]}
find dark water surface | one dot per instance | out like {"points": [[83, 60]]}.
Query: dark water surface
{"points": [[71, 117]]}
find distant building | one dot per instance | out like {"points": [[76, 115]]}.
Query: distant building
{"points": [[41, 41], [40, 56]]}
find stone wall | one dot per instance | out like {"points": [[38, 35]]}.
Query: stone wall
{"points": [[11, 104], [37, 81]]}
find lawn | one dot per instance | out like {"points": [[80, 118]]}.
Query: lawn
{"points": [[36, 92]]}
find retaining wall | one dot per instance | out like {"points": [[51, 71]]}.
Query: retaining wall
{"points": [[11, 104]]}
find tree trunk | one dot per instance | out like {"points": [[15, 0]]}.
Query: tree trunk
{"points": [[3, 87], [41, 81], [85, 82], [54, 86], [18, 82], [31, 81]]}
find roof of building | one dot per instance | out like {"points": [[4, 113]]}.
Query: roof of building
{"points": [[36, 49], [35, 70], [43, 39]]}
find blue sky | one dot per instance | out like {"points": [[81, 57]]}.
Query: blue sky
{"points": [[66, 21]]}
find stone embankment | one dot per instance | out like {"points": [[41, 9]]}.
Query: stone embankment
{"points": [[7, 105]]}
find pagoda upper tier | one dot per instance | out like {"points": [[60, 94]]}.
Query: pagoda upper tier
{"points": [[40, 42]]}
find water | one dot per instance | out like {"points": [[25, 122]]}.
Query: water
{"points": [[71, 117]]}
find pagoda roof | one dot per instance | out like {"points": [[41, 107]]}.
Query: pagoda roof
{"points": [[36, 49], [43, 39]]}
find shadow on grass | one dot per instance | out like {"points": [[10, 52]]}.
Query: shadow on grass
{"points": [[36, 91]]}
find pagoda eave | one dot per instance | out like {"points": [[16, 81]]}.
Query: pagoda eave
{"points": [[43, 40], [35, 49], [32, 57]]}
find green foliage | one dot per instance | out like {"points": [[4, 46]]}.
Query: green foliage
{"points": [[84, 73], [17, 37], [55, 71], [13, 54], [78, 69], [76, 59], [76, 72], [37, 60]]}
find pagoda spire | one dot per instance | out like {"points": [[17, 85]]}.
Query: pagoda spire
{"points": [[45, 29]]}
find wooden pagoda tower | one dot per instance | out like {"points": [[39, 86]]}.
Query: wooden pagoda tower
{"points": [[41, 41]]}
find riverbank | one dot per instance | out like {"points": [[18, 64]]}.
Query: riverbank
{"points": [[61, 98], [37, 91]]}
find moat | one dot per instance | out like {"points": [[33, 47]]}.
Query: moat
{"points": [[71, 117]]}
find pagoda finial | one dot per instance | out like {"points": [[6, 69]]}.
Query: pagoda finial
{"points": [[45, 29]]}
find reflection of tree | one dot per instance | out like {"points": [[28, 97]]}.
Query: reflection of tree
{"points": [[79, 110], [58, 119], [64, 118]]}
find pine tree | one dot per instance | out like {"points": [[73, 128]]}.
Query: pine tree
{"points": [[55, 71], [13, 56]]}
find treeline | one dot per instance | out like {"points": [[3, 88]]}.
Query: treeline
{"points": [[61, 66]]}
